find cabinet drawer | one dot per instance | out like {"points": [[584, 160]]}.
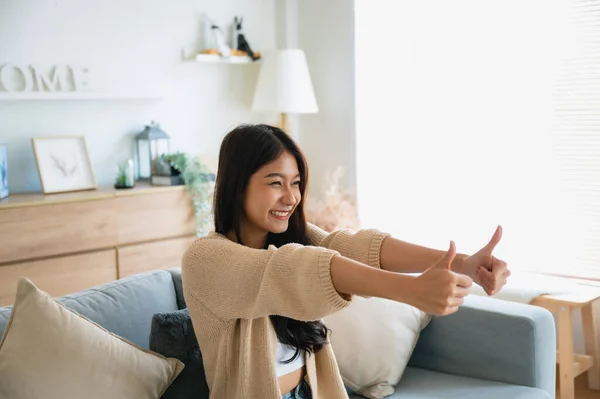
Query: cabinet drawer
{"points": [[56, 229], [60, 276], [154, 217], [139, 258]]}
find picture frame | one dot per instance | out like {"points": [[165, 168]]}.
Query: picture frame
{"points": [[3, 171], [63, 164]]}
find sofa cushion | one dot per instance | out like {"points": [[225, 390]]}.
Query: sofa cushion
{"points": [[49, 351], [172, 335], [419, 383], [379, 335], [123, 307]]}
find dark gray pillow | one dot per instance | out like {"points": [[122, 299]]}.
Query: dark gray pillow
{"points": [[172, 335]]}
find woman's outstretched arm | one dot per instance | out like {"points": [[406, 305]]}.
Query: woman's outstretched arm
{"points": [[437, 290], [304, 282], [379, 249], [403, 257]]}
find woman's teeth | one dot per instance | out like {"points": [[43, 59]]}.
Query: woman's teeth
{"points": [[280, 214]]}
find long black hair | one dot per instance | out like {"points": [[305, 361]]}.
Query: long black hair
{"points": [[243, 151]]}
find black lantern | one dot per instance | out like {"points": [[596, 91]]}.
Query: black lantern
{"points": [[150, 144]]}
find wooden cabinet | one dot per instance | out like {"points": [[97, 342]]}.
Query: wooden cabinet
{"points": [[39, 231], [61, 275], [69, 242], [153, 217], [163, 254]]}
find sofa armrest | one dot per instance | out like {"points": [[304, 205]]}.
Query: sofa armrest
{"points": [[176, 274], [494, 340]]}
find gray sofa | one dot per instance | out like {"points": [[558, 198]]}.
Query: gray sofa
{"points": [[489, 349]]}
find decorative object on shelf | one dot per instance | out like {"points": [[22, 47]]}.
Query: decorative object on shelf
{"points": [[199, 181], [63, 164], [151, 143], [337, 209], [284, 85], [125, 175], [60, 82], [215, 48], [3, 171], [164, 171], [57, 78], [219, 40], [239, 40], [76, 96]]}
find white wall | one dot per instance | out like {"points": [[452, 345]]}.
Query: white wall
{"points": [[133, 44], [326, 34]]}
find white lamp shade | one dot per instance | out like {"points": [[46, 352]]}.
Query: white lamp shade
{"points": [[284, 84]]}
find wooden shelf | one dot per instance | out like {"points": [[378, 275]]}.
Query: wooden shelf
{"points": [[62, 96], [217, 59], [36, 198], [194, 57]]}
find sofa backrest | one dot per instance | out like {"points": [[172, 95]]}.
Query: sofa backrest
{"points": [[124, 307]]}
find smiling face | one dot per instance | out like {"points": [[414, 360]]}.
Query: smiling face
{"points": [[272, 195]]}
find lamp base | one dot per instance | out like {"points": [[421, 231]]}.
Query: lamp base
{"points": [[283, 122]]}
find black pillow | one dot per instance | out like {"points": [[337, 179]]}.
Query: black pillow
{"points": [[172, 335]]}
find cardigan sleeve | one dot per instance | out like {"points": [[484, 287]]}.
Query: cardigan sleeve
{"points": [[362, 246], [233, 281]]}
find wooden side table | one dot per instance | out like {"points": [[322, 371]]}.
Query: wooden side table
{"points": [[570, 364]]}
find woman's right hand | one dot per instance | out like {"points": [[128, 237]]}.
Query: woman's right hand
{"points": [[438, 290]]}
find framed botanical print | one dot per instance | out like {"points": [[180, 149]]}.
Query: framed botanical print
{"points": [[63, 164]]}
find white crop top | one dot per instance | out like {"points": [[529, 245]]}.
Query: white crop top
{"points": [[285, 352]]}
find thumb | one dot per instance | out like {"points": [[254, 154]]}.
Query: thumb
{"points": [[490, 246], [446, 260]]}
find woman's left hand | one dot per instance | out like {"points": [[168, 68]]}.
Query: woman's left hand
{"points": [[486, 270]]}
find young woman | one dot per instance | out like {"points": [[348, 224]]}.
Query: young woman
{"points": [[258, 286]]}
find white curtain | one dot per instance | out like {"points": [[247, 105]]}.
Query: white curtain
{"points": [[476, 113]]}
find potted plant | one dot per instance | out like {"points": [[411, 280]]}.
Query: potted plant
{"points": [[199, 181], [124, 178]]}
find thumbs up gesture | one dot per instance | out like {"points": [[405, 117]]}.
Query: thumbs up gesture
{"points": [[438, 290], [486, 270]]}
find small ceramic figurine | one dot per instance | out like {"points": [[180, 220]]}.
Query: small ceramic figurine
{"points": [[220, 43], [240, 39]]}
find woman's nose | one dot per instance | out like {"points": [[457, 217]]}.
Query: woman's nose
{"points": [[289, 198]]}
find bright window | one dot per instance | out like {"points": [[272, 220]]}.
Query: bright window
{"points": [[475, 113]]}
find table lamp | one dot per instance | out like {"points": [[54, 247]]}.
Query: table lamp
{"points": [[284, 85]]}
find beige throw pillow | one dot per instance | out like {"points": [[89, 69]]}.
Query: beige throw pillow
{"points": [[372, 340], [47, 351]]}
